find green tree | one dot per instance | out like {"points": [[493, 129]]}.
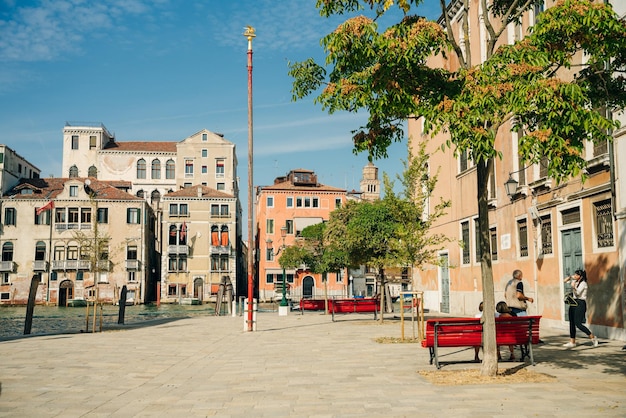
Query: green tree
{"points": [[365, 231], [318, 258], [533, 87]]}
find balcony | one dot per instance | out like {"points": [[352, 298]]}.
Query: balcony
{"points": [[220, 215], [220, 249], [71, 265], [133, 265], [104, 265], [178, 249], [40, 265], [7, 266]]}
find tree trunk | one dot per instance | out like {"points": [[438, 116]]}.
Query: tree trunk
{"points": [[490, 350]]}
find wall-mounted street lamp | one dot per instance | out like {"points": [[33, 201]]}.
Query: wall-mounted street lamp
{"points": [[283, 234], [510, 186]]}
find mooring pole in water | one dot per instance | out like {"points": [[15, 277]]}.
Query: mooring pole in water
{"points": [[120, 317], [30, 308]]}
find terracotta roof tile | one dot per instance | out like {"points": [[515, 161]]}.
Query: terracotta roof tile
{"points": [[50, 188], [145, 146], [192, 191]]}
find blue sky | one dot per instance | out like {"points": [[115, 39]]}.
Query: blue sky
{"points": [[165, 69]]}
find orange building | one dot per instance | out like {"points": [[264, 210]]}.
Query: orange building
{"points": [[544, 229], [283, 210]]}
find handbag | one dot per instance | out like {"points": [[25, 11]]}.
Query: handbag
{"points": [[569, 300]]}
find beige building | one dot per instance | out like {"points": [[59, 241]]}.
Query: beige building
{"points": [[544, 229], [200, 244], [84, 238], [155, 169], [14, 167]]}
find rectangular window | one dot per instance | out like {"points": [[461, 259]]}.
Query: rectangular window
{"points": [[103, 215], [224, 211], [494, 243], [546, 234], [316, 202], [205, 153], [6, 278], [188, 168], [133, 216], [72, 215], [204, 137], [269, 254], [215, 210], [92, 142], [269, 226], [337, 203], [289, 225], [59, 216], [289, 202], [307, 202], [73, 191], [74, 141], [604, 224], [463, 166], [269, 278], [204, 169], [477, 240], [179, 209], [269, 201], [219, 168], [43, 218], [221, 186], [132, 276], [465, 240], [298, 202], [131, 252], [522, 232], [85, 215]]}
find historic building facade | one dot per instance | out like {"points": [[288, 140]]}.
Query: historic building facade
{"points": [[547, 230], [283, 210], [83, 238]]}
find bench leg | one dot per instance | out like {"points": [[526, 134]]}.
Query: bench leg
{"points": [[432, 354]]}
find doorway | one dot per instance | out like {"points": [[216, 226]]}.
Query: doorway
{"points": [[66, 292], [572, 260], [307, 287], [197, 288]]}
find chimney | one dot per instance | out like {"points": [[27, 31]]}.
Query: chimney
{"points": [[199, 191]]}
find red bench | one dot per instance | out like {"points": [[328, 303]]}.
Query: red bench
{"points": [[522, 331]]}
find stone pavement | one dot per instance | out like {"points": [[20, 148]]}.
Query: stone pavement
{"points": [[298, 365]]}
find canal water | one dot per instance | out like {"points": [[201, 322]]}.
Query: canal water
{"points": [[56, 320]]}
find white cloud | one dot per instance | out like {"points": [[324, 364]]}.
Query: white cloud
{"points": [[55, 27]]}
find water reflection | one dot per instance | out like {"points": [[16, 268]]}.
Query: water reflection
{"points": [[55, 320]]}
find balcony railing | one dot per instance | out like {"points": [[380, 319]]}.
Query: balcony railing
{"points": [[133, 265], [71, 265], [178, 249], [7, 266], [220, 215], [220, 249], [40, 265], [104, 265]]}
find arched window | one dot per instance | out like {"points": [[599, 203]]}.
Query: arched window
{"points": [[7, 251], [140, 194], [170, 169], [92, 172], [73, 171], [141, 169], [155, 197], [173, 235], [224, 238], [215, 239], [156, 169], [40, 251]]}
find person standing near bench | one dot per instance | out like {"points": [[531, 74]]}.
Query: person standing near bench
{"points": [[578, 311], [514, 295]]}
